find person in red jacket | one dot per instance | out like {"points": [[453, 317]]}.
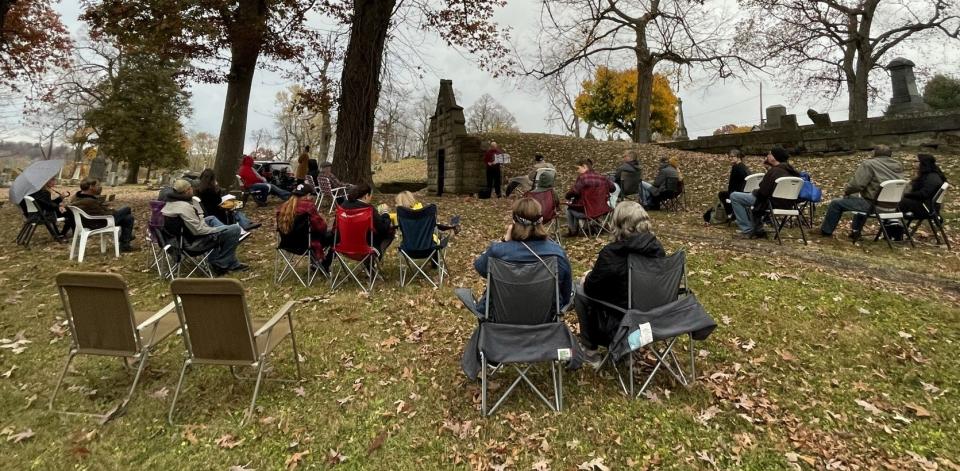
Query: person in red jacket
{"points": [[257, 185], [301, 202], [493, 169]]}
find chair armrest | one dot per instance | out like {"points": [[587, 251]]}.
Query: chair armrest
{"points": [[156, 317], [283, 312], [466, 297]]}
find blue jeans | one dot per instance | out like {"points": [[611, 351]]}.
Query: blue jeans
{"points": [[212, 221], [647, 193], [261, 191], [741, 203], [840, 205], [573, 216], [241, 219], [224, 256]]}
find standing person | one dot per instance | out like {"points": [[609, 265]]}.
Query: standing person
{"points": [[301, 202], [529, 181], [751, 223], [211, 200], [863, 187], [736, 181], [360, 196], [924, 186], [88, 199], [52, 208], [590, 182], [493, 169], [628, 175], [257, 185], [224, 256], [607, 281], [303, 164]]}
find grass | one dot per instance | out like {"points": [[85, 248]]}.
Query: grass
{"points": [[828, 355]]}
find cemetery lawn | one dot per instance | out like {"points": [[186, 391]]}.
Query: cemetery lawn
{"points": [[828, 355]]}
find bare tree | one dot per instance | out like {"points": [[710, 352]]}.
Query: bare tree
{"points": [[683, 33], [202, 151], [487, 115], [562, 90], [829, 45]]}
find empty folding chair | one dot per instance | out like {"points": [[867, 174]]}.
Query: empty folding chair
{"points": [[933, 216], [786, 195], [82, 232], [185, 250], [422, 245], [353, 250], [596, 207], [295, 253], [520, 326], [885, 209], [218, 330], [34, 217], [550, 209], [158, 246], [103, 322]]}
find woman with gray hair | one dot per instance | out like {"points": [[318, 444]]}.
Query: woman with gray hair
{"points": [[607, 281]]}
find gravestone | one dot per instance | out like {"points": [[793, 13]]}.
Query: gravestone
{"points": [[788, 122], [820, 120], [906, 98], [681, 134], [774, 113], [98, 168]]}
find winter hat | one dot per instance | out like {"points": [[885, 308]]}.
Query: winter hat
{"points": [[303, 189], [780, 154]]}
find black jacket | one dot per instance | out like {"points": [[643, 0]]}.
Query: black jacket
{"points": [[628, 177], [769, 183], [608, 279], [210, 200], [924, 187], [738, 175]]}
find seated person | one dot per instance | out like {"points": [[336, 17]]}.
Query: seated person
{"points": [[923, 188], [301, 202], [628, 174], [607, 281], [224, 256], [258, 186], [88, 200], [750, 222], [524, 241], [408, 200], [861, 190], [360, 196], [586, 180], [327, 181], [660, 191], [211, 200], [737, 180], [51, 208], [527, 182]]}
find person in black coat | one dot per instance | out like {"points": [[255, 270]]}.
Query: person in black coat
{"points": [[923, 188], [736, 181], [52, 208], [211, 197], [607, 281]]}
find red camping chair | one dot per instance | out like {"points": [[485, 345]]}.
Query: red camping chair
{"points": [[550, 210], [353, 249], [596, 207]]}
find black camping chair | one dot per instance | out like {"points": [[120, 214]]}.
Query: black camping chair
{"points": [[295, 249], [520, 326], [419, 227], [186, 248], [932, 216]]}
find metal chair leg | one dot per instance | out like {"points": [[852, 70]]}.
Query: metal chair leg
{"points": [[296, 352], [176, 392], [63, 375], [256, 390]]}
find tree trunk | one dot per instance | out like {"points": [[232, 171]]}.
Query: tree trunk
{"points": [[147, 178], [360, 82], [641, 127], [133, 173], [246, 40]]}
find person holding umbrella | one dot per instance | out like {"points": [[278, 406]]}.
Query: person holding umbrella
{"points": [[38, 179], [52, 208]]}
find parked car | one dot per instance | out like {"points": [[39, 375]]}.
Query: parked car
{"points": [[276, 172]]}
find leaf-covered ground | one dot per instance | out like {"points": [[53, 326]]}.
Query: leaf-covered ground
{"points": [[829, 355]]}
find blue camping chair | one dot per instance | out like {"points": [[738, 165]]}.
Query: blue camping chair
{"points": [[421, 245]]}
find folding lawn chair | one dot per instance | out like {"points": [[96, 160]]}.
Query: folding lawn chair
{"points": [[103, 322], [933, 217], [159, 247], [185, 248], [519, 326], [294, 249], [218, 330], [326, 190], [353, 250], [676, 197], [81, 233], [786, 192], [422, 244], [33, 217], [885, 209], [550, 211], [597, 209]]}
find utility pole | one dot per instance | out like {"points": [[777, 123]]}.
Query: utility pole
{"points": [[761, 104]]}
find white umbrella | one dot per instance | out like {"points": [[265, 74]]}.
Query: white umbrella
{"points": [[33, 178]]}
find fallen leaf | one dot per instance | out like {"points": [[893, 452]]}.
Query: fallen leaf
{"points": [[228, 441], [918, 411], [294, 460], [869, 407], [377, 442], [708, 414], [161, 393], [19, 437], [595, 464]]}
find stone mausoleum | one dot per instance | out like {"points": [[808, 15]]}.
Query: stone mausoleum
{"points": [[454, 158]]}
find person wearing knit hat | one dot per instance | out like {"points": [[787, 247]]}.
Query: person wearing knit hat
{"points": [[863, 187], [204, 230], [749, 222]]}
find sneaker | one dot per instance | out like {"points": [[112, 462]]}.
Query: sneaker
{"points": [[217, 271], [243, 235], [252, 226], [240, 267], [758, 235], [820, 233]]}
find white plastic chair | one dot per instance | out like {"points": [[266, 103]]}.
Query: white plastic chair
{"points": [[752, 182], [82, 233], [787, 189], [885, 208]]}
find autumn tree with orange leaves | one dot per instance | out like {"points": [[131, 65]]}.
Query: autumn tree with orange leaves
{"points": [[32, 40], [609, 100]]}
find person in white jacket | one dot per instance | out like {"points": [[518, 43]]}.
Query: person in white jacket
{"points": [[224, 256]]}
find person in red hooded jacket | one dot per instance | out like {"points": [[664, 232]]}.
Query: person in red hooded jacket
{"points": [[257, 185]]}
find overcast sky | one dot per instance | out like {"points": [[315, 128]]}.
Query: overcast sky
{"points": [[706, 106]]}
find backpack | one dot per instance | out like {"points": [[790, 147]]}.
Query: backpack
{"points": [[809, 191]]}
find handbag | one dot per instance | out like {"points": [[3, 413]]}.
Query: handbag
{"points": [[809, 191]]}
